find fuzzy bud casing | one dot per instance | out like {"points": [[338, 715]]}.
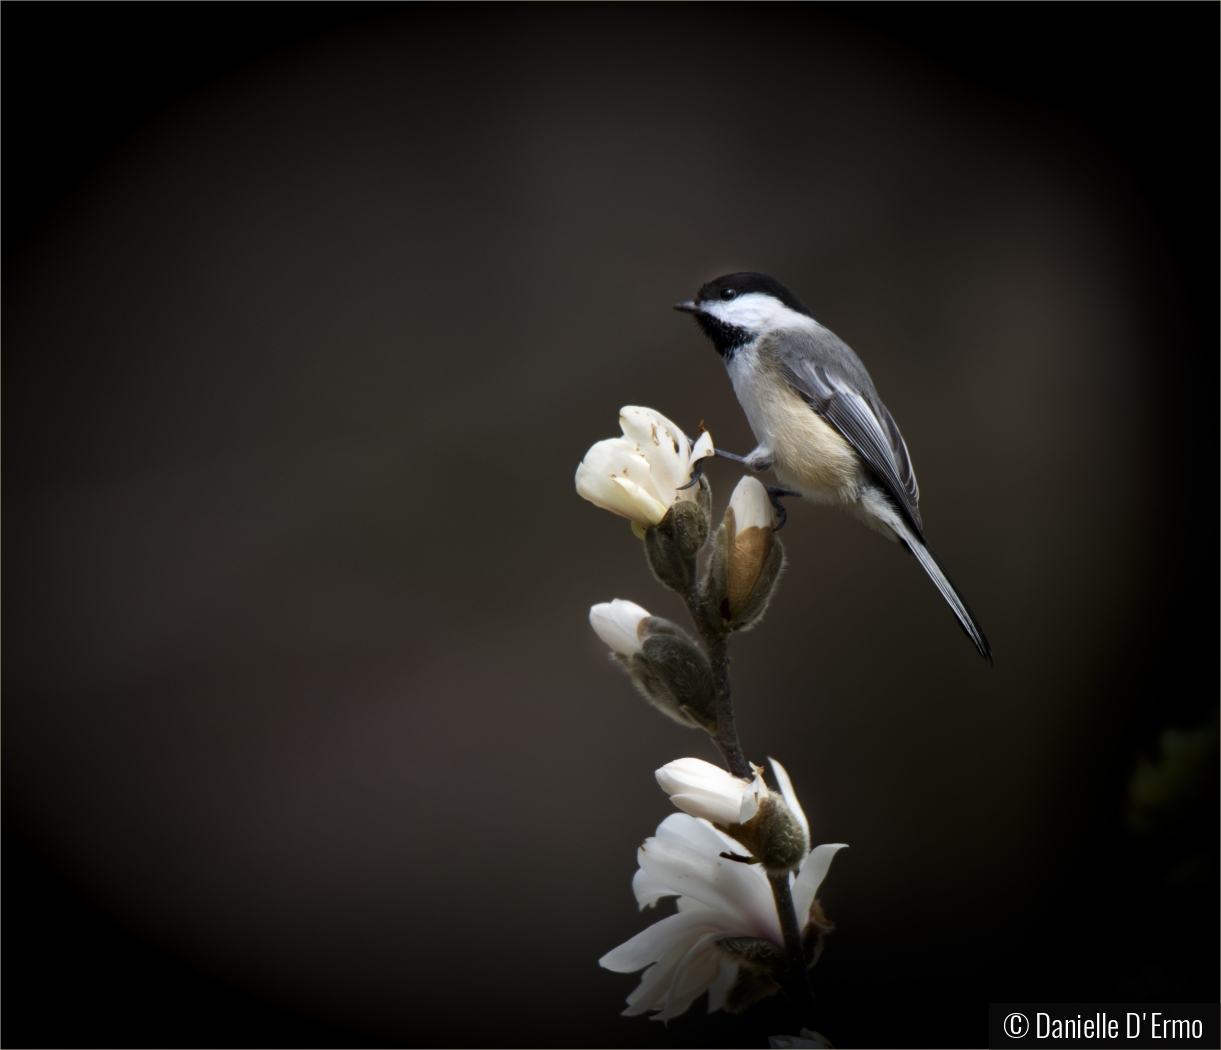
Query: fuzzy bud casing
{"points": [[673, 543], [774, 836], [674, 675], [703, 496], [761, 969]]}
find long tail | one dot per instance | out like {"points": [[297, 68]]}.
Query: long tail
{"points": [[936, 571]]}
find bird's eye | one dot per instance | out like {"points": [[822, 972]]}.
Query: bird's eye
{"points": [[728, 293]]}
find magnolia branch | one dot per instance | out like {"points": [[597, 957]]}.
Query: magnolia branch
{"points": [[717, 644], [799, 975], [651, 477], [730, 746]]}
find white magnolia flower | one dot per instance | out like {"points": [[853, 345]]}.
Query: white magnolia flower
{"points": [[618, 624], [718, 899], [704, 790], [640, 474]]}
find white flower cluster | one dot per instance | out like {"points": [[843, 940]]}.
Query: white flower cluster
{"points": [[720, 900], [728, 854]]}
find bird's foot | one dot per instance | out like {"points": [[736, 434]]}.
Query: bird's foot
{"points": [[758, 461], [775, 493], [697, 472], [698, 469]]}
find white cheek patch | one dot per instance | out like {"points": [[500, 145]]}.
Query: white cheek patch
{"points": [[757, 312]]}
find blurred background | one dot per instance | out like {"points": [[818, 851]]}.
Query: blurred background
{"points": [[310, 313]]}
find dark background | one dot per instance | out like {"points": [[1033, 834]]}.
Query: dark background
{"points": [[310, 314]]}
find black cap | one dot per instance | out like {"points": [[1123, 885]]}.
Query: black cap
{"points": [[734, 284]]}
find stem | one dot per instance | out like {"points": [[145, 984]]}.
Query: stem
{"points": [[799, 975], [717, 644], [726, 739]]}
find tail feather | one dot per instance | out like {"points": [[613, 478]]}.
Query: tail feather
{"points": [[936, 571]]}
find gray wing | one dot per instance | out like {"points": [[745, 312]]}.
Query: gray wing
{"points": [[865, 424]]}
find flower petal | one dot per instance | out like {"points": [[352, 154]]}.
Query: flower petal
{"points": [[678, 832], [653, 991], [694, 973], [704, 790], [688, 776], [619, 495], [614, 456], [644, 508], [645, 996], [614, 476], [663, 444], [698, 835], [617, 623], [718, 991], [650, 993], [790, 796], [651, 943], [715, 810], [751, 505], [691, 904], [751, 797], [703, 447], [672, 865], [694, 769], [813, 871]]}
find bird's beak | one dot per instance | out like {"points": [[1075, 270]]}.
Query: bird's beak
{"points": [[688, 307]]}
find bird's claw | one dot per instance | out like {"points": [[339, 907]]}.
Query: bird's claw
{"points": [[775, 493], [697, 472]]}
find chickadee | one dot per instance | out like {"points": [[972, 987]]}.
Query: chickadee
{"points": [[819, 422]]}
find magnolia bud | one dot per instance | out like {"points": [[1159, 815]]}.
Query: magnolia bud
{"points": [[750, 518], [673, 543], [704, 790], [668, 668], [675, 676], [618, 623], [746, 561], [744, 809]]}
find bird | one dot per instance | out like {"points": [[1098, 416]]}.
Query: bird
{"points": [[817, 418]]}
